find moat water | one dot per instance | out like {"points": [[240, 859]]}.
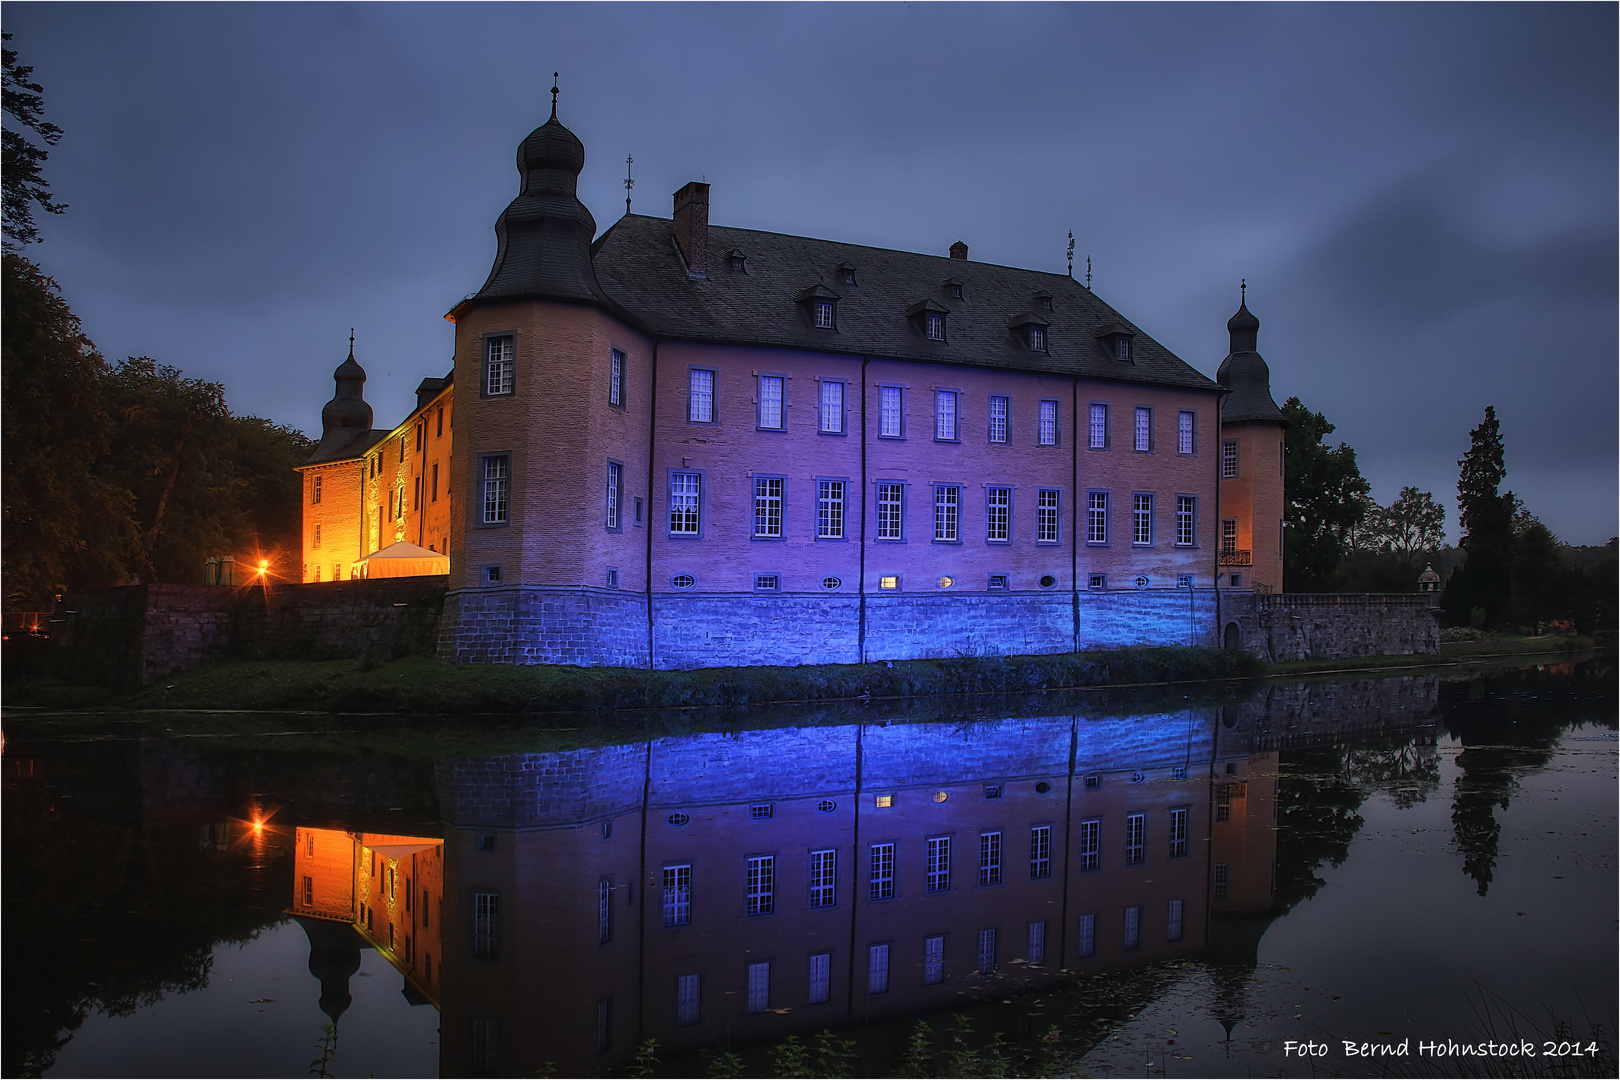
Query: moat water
{"points": [[1184, 881]]}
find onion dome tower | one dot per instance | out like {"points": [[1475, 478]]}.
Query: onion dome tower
{"points": [[545, 234], [346, 416], [1245, 373]]}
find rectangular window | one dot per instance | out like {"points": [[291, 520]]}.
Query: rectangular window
{"points": [[1144, 428], [1037, 339], [998, 418], [877, 969], [935, 327], [1097, 517], [1173, 922], [819, 990], [684, 491], [998, 515], [1185, 507], [677, 908], [761, 811], [315, 490], [309, 891], [939, 864], [1135, 828], [497, 488], [604, 911], [498, 368], [1133, 927], [768, 507], [823, 879], [767, 582], [770, 401], [1223, 802], [1086, 941], [987, 952], [615, 472], [688, 998], [1222, 880], [439, 424], [832, 408], [1185, 430], [316, 542], [1228, 534], [759, 987], [1229, 464], [947, 513], [1036, 951], [486, 1047], [890, 507], [435, 488], [1178, 833], [1049, 423], [998, 581], [700, 396], [880, 884], [824, 314], [990, 858], [829, 509], [1142, 519], [1099, 426], [1040, 852], [933, 960], [616, 378], [486, 925], [1090, 844], [945, 415], [761, 885], [891, 412]]}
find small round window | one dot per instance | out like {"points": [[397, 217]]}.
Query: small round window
{"points": [[941, 796], [832, 583], [946, 581], [827, 806], [680, 820], [1047, 581], [683, 581], [1043, 787], [1137, 778]]}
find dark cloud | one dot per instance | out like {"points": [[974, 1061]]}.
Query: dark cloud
{"points": [[1421, 196]]}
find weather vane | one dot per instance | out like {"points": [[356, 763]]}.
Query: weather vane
{"points": [[554, 75], [1243, 292], [628, 183], [1088, 272], [351, 343], [1071, 253]]}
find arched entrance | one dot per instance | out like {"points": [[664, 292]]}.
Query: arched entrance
{"points": [[1233, 638]]}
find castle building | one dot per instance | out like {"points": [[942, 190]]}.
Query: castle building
{"points": [[686, 445]]}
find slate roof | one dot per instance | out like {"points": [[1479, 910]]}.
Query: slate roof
{"points": [[364, 439], [639, 268]]}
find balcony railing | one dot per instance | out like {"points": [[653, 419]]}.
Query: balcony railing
{"points": [[1236, 557]]}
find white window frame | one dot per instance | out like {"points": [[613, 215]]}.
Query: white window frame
{"points": [[880, 871], [1037, 339], [1186, 432], [1133, 928], [768, 493], [1135, 839], [826, 315], [685, 503], [500, 374], [1086, 937], [760, 898], [891, 510], [891, 412], [676, 909], [934, 960], [947, 415], [497, 504], [1035, 950], [1049, 422], [832, 407], [1178, 832], [315, 490], [1186, 518], [830, 507], [1048, 515], [947, 513], [486, 925], [1097, 517], [819, 988], [616, 378], [998, 514], [1098, 426], [772, 395], [987, 951], [1000, 405], [824, 878], [700, 390], [1090, 846], [1229, 535], [615, 484], [1040, 852], [1142, 519], [990, 858], [933, 326], [1229, 459], [939, 864], [759, 987], [1144, 429], [877, 968]]}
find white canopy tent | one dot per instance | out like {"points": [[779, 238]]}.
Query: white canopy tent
{"points": [[404, 560]]}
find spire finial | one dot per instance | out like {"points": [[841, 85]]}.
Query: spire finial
{"points": [[351, 343], [1088, 272], [1071, 253], [554, 75], [1243, 292], [628, 183]]}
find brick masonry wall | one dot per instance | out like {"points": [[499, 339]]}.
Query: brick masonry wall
{"points": [[523, 625], [1296, 626]]}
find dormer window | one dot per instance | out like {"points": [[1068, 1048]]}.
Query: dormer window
{"points": [[737, 266], [1030, 331], [846, 273], [1116, 339], [1043, 302], [1122, 348], [1037, 339], [934, 327], [928, 319], [824, 314], [820, 306]]}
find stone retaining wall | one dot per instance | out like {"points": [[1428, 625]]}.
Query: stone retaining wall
{"points": [[1331, 626]]}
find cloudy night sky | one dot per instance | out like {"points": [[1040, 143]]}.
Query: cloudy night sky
{"points": [[1422, 198]]}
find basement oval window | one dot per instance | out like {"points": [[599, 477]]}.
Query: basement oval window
{"points": [[832, 583], [680, 820], [1137, 778], [826, 806], [1047, 581], [1042, 788], [941, 796], [946, 581], [683, 581]]}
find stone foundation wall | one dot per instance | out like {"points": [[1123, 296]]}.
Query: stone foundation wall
{"points": [[1332, 626], [527, 625]]}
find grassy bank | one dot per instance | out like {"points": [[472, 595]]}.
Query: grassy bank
{"points": [[424, 686]]}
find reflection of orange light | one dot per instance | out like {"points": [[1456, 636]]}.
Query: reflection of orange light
{"points": [[264, 566], [258, 826]]}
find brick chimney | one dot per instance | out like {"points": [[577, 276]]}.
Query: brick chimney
{"points": [[692, 227], [959, 250]]}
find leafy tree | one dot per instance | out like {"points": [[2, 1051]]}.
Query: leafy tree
{"points": [[1322, 490], [23, 181], [1481, 585], [1539, 589], [1414, 525], [64, 523]]}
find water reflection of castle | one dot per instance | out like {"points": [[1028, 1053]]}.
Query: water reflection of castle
{"points": [[718, 889]]}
